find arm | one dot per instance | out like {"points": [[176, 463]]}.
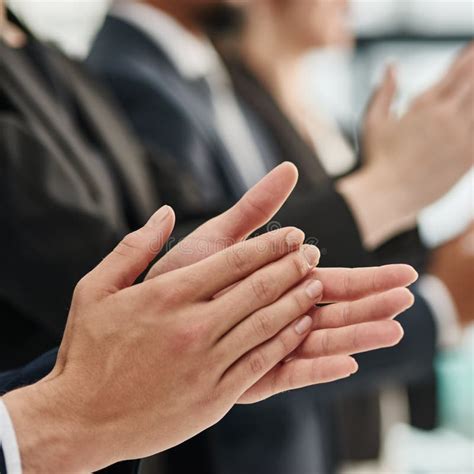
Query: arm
{"points": [[432, 138]]}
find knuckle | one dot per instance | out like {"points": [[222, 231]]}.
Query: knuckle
{"points": [[324, 343], [262, 324], [238, 258], [256, 363], [286, 344], [345, 314], [190, 335], [81, 289], [129, 243], [263, 288], [347, 281], [355, 339]]}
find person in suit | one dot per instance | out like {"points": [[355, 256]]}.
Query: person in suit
{"points": [[163, 71], [67, 180]]}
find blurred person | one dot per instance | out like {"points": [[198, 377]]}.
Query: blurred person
{"points": [[62, 208], [178, 96], [434, 135], [265, 62]]}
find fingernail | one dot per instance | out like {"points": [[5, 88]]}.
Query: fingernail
{"points": [[314, 289], [159, 216], [311, 254], [303, 325], [295, 238]]}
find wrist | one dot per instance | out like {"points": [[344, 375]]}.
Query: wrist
{"points": [[378, 203], [49, 433]]}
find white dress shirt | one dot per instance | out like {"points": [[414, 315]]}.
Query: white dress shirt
{"points": [[195, 58], [8, 442]]}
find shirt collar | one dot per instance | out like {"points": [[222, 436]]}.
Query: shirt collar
{"points": [[193, 57]]}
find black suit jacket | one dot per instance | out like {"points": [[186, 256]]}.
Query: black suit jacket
{"points": [[73, 182], [282, 435]]}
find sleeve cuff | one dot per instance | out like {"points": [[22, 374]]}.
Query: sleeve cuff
{"points": [[8, 442], [444, 312]]}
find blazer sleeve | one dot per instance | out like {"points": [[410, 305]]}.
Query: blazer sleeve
{"points": [[328, 222]]}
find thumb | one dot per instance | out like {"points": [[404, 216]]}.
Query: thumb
{"points": [[379, 107], [133, 254], [253, 210]]}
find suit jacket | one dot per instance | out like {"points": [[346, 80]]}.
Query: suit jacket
{"points": [[284, 434], [73, 182]]}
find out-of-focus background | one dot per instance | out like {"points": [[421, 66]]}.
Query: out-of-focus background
{"points": [[421, 37]]}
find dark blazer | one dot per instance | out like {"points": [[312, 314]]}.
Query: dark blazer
{"points": [[73, 182], [284, 434]]}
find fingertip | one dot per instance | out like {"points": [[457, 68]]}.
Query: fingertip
{"points": [[294, 238], [403, 298], [291, 169], [397, 331], [354, 366], [164, 213], [405, 274]]}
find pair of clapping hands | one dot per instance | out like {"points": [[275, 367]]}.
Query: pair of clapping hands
{"points": [[144, 367]]}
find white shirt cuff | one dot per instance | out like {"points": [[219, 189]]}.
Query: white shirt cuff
{"points": [[9, 442], [444, 311]]}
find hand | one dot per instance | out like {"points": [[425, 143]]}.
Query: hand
{"points": [[142, 368], [351, 288], [413, 160], [453, 264], [13, 36]]}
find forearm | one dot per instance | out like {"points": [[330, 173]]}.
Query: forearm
{"points": [[379, 207], [49, 436]]}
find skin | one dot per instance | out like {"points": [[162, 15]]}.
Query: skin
{"points": [[453, 264], [147, 366], [8, 32], [433, 138]]}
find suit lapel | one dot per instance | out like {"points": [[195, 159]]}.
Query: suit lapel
{"points": [[290, 143]]}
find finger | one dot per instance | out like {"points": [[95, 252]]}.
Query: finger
{"points": [[386, 305], [255, 364], [463, 99], [260, 203], [133, 254], [267, 322], [254, 210], [348, 284], [208, 277], [263, 288], [459, 72], [299, 373], [382, 100], [351, 339]]}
